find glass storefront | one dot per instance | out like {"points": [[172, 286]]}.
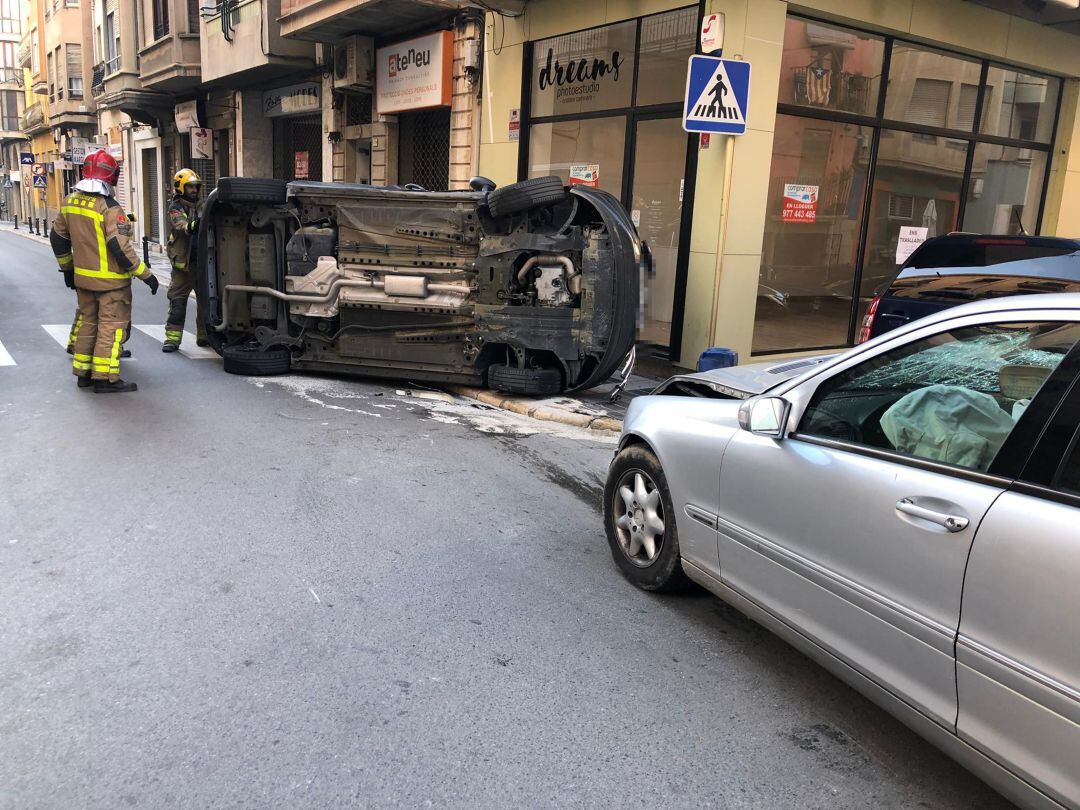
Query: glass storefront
{"points": [[603, 109], [872, 135]]}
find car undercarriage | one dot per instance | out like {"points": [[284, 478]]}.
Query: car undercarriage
{"points": [[530, 288]]}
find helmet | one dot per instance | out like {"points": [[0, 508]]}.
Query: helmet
{"points": [[100, 165], [184, 178]]}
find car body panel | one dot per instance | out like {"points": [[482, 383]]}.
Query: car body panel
{"points": [[464, 297], [739, 382], [969, 636]]}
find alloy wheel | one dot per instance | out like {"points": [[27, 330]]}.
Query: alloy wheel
{"points": [[639, 518]]}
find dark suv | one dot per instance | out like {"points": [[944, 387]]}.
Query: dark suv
{"points": [[949, 270]]}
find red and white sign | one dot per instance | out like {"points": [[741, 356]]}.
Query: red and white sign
{"points": [[414, 74], [585, 174], [800, 203], [515, 124], [300, 165], [712, 33]]}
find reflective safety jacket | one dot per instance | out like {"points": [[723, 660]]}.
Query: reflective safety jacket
{"points": [[91, 233], [181, 213]]}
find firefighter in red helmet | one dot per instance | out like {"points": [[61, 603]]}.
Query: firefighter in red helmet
{"points": [[90, 239]]}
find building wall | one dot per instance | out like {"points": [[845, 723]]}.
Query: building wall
{"points": [[733, 173]]}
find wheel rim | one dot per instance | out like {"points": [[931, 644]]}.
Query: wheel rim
{"points": [[638, 513]]}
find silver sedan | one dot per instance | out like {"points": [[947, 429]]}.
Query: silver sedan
{"points": [[905, 512]]}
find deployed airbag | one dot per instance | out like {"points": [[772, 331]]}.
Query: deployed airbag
{"points": [[948, 423]]}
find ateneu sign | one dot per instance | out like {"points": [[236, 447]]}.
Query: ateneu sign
{"points": [[585, 71], [414, 74]]}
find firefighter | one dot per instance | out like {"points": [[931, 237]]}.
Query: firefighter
{"points": [[183, 223], [90, 241]]}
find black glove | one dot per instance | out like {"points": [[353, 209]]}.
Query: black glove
{"points": [[69, 278], [193, 225], [153, 283]]}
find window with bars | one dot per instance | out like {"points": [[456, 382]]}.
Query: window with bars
{"points": [[160, 9], [901, 206], [74, 70], [424, 148]]}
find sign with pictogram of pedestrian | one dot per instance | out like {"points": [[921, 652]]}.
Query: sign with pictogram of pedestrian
{"points": [[41, 181], [26, 158], [717, 95]]}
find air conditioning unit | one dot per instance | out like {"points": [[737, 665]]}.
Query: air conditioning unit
{"points": [[354, 64]]}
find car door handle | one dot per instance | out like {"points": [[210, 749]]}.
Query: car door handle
{"points": [[952, 523]]}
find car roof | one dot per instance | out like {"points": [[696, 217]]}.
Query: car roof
{"points": [[1005, 304]]}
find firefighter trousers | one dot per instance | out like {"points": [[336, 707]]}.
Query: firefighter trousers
{"points": [[76, 324], [180, 287], [105, 315]]}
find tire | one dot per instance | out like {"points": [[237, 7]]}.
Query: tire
{"points": [[531, 381], [539, 192], [251, 362], [662, 571], [253, 190]]}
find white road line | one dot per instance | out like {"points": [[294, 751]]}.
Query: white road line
{"points": [[187, 347], [5, 357], [58, 332]]}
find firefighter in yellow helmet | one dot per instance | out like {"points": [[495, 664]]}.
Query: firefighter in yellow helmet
{"points": [[183, 224], [90, 241]]}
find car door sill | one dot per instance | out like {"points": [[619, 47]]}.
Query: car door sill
{"points": [[1003, 780], [923, 628]]}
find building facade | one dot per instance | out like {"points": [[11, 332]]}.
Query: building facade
{"points": [[934, 116]]}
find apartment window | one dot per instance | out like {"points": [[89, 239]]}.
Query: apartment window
{"points": [[161, 18], [35, 50], [193, 9], [10, 17], [9, 110], [929, 103], [75, 71], [51, 77], [112, 44], [58, 63], [7, 56]]}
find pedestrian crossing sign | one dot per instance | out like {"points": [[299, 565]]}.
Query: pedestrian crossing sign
{"points": [[717, 92]]}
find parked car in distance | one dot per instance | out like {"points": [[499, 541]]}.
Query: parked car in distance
{"points": [[905, 513], [530, 288], [959, 268]]}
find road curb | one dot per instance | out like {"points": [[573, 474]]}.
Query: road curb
{"points": [[525, 407]]}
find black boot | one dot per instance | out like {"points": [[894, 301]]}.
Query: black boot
{"points": [[117, 387], [84, 382], [126, 353], [169, 347]]}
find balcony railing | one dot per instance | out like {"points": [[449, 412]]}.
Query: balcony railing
{"points": [[25, 56], [97, 81], [33, 117], [820, 87]]}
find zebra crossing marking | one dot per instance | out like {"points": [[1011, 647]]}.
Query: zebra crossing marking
{"points": [[5, 356], [187, 347]]}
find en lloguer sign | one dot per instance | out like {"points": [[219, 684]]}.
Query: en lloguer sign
{"points": [[585, 71]]}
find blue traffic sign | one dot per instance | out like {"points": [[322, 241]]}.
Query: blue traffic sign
{"points": [[26, 158], [717, 93], [40, 181]]}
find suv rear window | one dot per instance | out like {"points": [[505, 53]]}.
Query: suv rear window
{"points": [[960, 269], [983, 252]]}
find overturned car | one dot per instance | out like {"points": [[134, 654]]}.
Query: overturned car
{"points": [[529, 288]]}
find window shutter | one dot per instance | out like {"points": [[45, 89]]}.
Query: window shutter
{"points": [[112, 6], [965, 113], [74, 61], [929, 102]]}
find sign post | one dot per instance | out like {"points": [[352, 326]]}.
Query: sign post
{"points": [[717, 95]]}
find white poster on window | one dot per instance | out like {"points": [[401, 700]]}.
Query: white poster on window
{"points": [[911, 237]]}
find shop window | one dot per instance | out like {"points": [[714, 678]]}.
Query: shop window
{"points": [[811, 244], [594, 144], [1024, 107], [830, 67], [667, 41], [921, 85], [1005, 189], [584, 72]]}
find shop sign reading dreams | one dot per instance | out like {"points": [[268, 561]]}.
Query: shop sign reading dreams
{"points": [[414, 74], [582, 72]]}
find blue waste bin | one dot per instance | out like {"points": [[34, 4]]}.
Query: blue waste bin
{"points": [[717, 357]]}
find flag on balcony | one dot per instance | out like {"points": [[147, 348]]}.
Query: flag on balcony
{"points": [[818, 86]]}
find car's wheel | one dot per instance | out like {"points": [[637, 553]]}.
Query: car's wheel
{"points": [[254, 362], [531, 381], [251, 190], [640, 521], [538, 192]]}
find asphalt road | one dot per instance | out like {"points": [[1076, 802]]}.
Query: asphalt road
{"points": [[226, 592]]}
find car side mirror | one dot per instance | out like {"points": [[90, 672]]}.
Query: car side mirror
{"points": [[132, 217], [481, 183], [765, 416]]}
